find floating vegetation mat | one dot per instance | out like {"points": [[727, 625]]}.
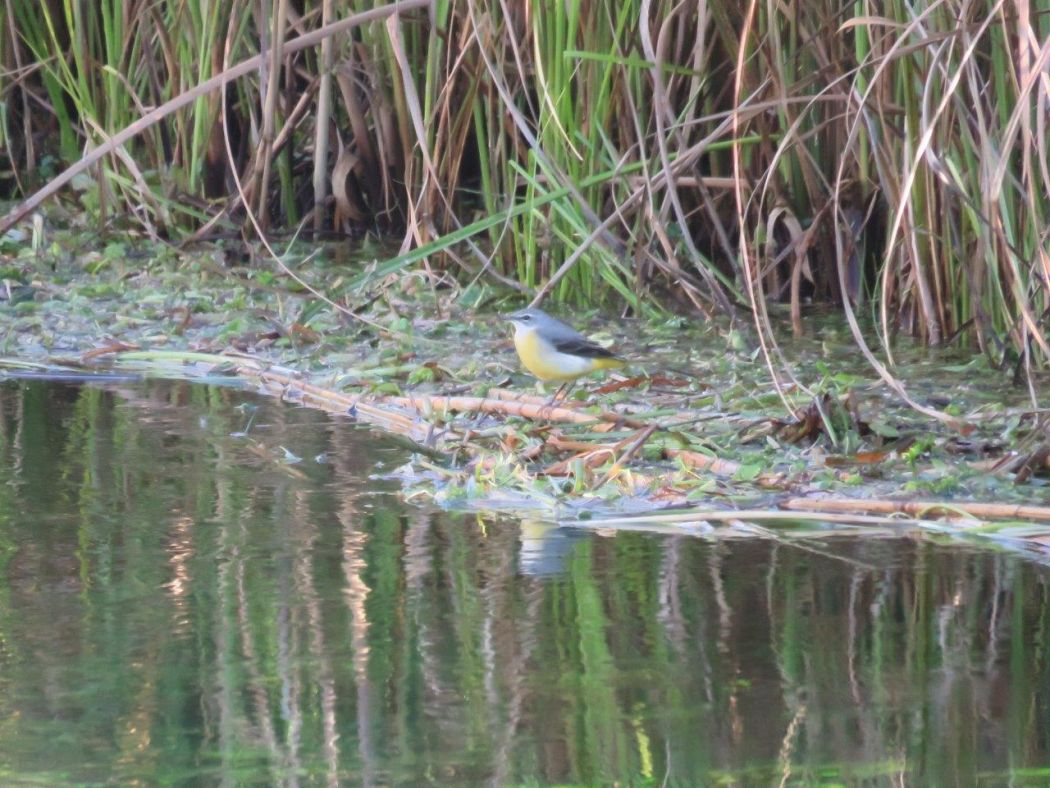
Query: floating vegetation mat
{"points": [[692, 436], [597, 468]]}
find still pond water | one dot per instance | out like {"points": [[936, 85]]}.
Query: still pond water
{"points": [[179, 603]]}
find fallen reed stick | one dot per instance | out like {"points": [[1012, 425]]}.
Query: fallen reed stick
{"points": [[427, 404], [400, 415], [976, 510], [613, 417]]}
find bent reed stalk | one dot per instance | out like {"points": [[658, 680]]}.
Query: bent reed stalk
{"points": [[888, 157]]}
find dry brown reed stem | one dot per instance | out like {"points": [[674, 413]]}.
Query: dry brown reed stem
{"points": [[637, 442], [22, 210], [271, 93], [557, 175], [594, 455], [692, 459], [896, 192], [324, 119], [664, 115], [430, 404], [426, 405], [922, 509], [558, 443], [757, 515], [282, 385], [720, 467], [703, 462], [611, 417]]}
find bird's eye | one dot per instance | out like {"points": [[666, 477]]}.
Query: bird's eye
{"points": [[526, 317]]}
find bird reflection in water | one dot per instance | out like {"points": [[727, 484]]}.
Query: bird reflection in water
{"points": [[545, 547]]}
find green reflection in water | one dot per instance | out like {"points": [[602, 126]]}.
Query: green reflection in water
{"points": [[178, 603]]}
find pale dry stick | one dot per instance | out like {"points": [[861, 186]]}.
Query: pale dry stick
{"points": [[905, 205], [415, 112], [486, 260], [716, 465], [976, 510], [799, 544], [883, 372], [689, 181], [522, 124], [611, 417], [512, 39], [646, 187], [628, 454], [271, 91], [255, 221], [324, 117], [429, 405], [20, 211], [758, 309], [663, 112], [430, 170], [544, 92], [577, 253], [591, 457], [790, 135], [759, 515], [559, 443], [285, 133], [142, 190], [17, 77], [1019, 117], [594, 454], [281, 383], [990, 195]]}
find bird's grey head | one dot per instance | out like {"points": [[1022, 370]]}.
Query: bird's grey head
{"points": [[532, 319], [529, 318]]}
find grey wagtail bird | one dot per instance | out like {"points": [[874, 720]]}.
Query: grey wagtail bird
{"points": [[552, 351]]}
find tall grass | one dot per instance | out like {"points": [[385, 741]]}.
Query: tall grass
{"points": [[891, 157]]}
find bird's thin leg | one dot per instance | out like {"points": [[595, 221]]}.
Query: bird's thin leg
{"points": [[563, 391]]}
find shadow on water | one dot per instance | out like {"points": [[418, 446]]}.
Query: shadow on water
{"points": [[181, 603]]}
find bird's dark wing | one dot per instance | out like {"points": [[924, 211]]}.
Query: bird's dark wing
{"points": [[581, 347]]}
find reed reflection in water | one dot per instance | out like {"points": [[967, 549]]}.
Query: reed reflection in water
{"points": [[180, 602]]}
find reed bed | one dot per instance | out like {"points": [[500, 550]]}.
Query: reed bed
{"points": [[887, 157]]}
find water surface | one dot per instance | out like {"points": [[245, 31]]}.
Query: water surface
{"points": [[181, 602]]}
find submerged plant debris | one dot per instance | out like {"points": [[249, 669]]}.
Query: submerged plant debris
{"points": [[693, 420]]}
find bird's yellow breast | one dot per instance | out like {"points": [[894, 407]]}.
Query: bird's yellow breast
{"points": [[547, 363]]}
